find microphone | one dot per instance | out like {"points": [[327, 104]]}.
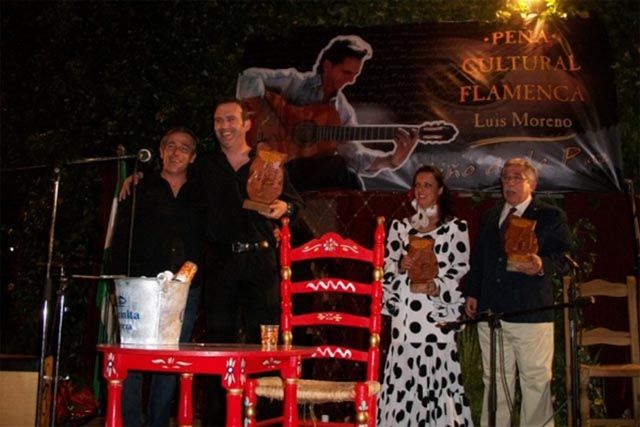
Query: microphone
{"points": [[571, 261], [144, 155]]}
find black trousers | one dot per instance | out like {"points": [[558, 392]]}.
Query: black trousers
{"points": [[241, 292]]}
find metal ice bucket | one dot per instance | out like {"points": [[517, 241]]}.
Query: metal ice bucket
{"points": [[150, 310]]}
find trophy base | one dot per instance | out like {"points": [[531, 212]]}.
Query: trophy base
{"points": [[422, 287], [256, 206], [515, 260]]}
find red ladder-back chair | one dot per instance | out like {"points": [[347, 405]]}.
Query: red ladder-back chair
{"points": [[363, 393]]}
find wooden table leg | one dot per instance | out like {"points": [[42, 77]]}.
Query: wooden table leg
{"points": [[234, 407], [114, 396], [290, 403], [185, 404]]}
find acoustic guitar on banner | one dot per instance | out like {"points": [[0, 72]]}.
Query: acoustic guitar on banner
{"points": [[314, 130]]}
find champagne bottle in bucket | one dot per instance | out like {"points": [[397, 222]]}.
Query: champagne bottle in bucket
{"points": [[186, 272], [150, 309]]}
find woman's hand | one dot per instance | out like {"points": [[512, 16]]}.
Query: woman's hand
{"points": [[432, 288], [429, 288], [405, 263], [471, 307]]}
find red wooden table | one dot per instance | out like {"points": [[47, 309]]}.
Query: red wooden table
{"points": [[233, 362]]}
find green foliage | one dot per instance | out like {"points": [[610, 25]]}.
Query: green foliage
{"points": [[583, 233], [471, 365], [624, 36]]}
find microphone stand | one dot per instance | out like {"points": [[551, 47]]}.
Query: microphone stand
{"points": [[493, 320], [573, 346], [48, 286], [62, 287], [132, 217], [48, 291], [492, 401]]}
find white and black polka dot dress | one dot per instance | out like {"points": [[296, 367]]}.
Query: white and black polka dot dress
{"points": [[422, 383]]}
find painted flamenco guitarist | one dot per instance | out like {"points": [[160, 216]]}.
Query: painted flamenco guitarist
{"points": [[307, 116]]}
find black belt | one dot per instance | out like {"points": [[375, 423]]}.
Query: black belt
{"points": [[242, 247]]}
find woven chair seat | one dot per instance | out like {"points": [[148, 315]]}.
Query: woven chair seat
{"points": [[314, 391]]}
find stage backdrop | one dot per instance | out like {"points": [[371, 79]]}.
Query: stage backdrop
{"points": [[497, 91]]}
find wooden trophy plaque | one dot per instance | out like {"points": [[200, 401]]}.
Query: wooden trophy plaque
{"points": [[520, 241], [266, 180], [425, 264]]}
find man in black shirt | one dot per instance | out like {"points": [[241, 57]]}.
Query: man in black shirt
{"points": [[242, 286], [242, 273], [167, 231]]}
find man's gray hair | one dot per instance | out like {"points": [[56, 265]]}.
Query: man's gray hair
{"points": [[529, 169]]}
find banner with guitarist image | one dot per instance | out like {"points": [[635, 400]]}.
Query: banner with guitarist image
{"points": [[364, 108]]}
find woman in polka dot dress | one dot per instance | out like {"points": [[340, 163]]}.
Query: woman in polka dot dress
{"points": [[422, 379]]}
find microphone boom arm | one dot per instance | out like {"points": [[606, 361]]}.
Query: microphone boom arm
{"points": [[143, 156]]}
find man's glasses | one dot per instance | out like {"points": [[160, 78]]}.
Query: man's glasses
{"points": [[515, 178]]}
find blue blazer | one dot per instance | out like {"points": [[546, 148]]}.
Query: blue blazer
{"points": [[507, 292]]}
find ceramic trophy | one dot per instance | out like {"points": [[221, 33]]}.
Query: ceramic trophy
{"points": [[266, 179], [519, 241], [425, 264]]}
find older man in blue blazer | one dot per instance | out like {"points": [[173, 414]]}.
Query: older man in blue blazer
{"points": [[526, 342]]}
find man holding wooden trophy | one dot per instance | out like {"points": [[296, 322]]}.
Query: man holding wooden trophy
{"points": [[519, 248]]}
